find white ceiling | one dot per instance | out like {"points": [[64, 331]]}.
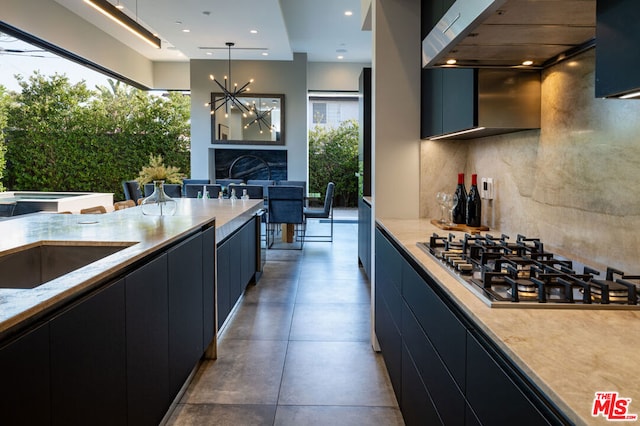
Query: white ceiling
{"points": [[317, 27]]}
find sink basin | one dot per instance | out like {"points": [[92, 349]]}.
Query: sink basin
{"points": [[41, 262]]}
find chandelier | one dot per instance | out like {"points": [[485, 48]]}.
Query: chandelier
{"points": [[229, 100]]}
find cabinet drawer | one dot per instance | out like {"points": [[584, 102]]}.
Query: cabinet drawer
{"points": [[493, 396], [388, 262], [447, 334], [444, 392], [390, 344], [415, 404]]}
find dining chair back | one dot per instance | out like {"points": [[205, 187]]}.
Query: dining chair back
{"points": [[200, 182], [227, 182], [191, 190], [253, 191], [285, 206], [93, 210], [326, 212], [301, 183], [121, 205], [173, 190], [131, 190]]}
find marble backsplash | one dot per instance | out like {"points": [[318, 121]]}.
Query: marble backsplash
{"points": [[573, 183]]}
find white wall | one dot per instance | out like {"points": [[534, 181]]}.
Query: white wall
{"points": [[326, 76], [396, 108], [288, 78]]}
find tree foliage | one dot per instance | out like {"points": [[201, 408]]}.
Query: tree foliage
{"points": [[65, 137], [333, 157], [5, 100]]}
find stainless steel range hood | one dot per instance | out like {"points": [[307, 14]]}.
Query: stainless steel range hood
{"points": [[504, 33]]}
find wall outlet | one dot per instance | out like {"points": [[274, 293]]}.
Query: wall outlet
{"points": [[487, 189]]}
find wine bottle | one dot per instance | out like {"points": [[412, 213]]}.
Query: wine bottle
{"points": [[474, 203], [460, 210]]}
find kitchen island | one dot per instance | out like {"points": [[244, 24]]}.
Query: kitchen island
{"points": [[113, 341], [560, 357]]}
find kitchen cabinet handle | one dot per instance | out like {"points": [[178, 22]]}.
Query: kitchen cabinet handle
{"points": [[452, 22]]}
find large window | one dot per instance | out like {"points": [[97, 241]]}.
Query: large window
{"points": [[331, 109]]}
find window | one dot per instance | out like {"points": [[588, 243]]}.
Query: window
{"points": [[331, 109]]}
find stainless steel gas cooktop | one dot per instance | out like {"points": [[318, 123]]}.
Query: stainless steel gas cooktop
{"points": [[521, 274]]}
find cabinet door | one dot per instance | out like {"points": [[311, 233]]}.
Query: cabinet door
{"points": [[88, 361], [185, 309], [223, 281], [459, 99], [364, 236], [148, 343], [248, 254], [431, 102], [235, 283], [445, 394], [208, 287], [388, 307], [447, 334], [416, 404], [493, 395], [24, 388]]}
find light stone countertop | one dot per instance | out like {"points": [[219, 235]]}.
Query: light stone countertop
{"points": [[569, 354], [150, 233]]}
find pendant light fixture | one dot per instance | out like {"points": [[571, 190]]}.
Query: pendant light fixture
{"points": [[230, 92], [229, 99], [119, 17]]}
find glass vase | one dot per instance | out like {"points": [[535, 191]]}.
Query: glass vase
{"points": [[158, 203]]}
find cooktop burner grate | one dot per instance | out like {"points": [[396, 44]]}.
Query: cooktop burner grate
{"points": [[522, 274]]}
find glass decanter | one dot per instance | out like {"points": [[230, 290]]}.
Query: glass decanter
{"points": [[158, 203]]}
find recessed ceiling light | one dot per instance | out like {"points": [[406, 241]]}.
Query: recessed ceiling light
{"points": [[265, 53], [527, 63], [253, 31], [451, 61], [209, 53], [348, 13], [186, 30], [340, 57]]}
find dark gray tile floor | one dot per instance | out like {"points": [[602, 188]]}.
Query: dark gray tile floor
{"points": [[297, 349]]}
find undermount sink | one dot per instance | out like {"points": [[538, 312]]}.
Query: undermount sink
{"points": [[41, 262]]}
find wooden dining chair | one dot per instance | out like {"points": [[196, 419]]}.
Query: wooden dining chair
{"points": [[121, 205], [93, 210]]}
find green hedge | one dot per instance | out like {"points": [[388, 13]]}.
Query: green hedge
{"points": [[64, 137], [333, 157]]}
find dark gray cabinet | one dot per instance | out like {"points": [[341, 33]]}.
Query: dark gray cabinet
{"points": [[388, 304], [364, 236], [237, 264], [224, 281], [416, 404], [88, 360], [617, 35], [448, 101], [208, 286], [147, 325], [24, 388], [120, 354], [185, 309], [443, 370], [487, 382], [430, 368], [447, 334]]}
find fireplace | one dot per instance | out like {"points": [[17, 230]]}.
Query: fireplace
{"points": [[263, 164]]}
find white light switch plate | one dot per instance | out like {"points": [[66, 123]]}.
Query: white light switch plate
{"points": [[487, 189]]}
